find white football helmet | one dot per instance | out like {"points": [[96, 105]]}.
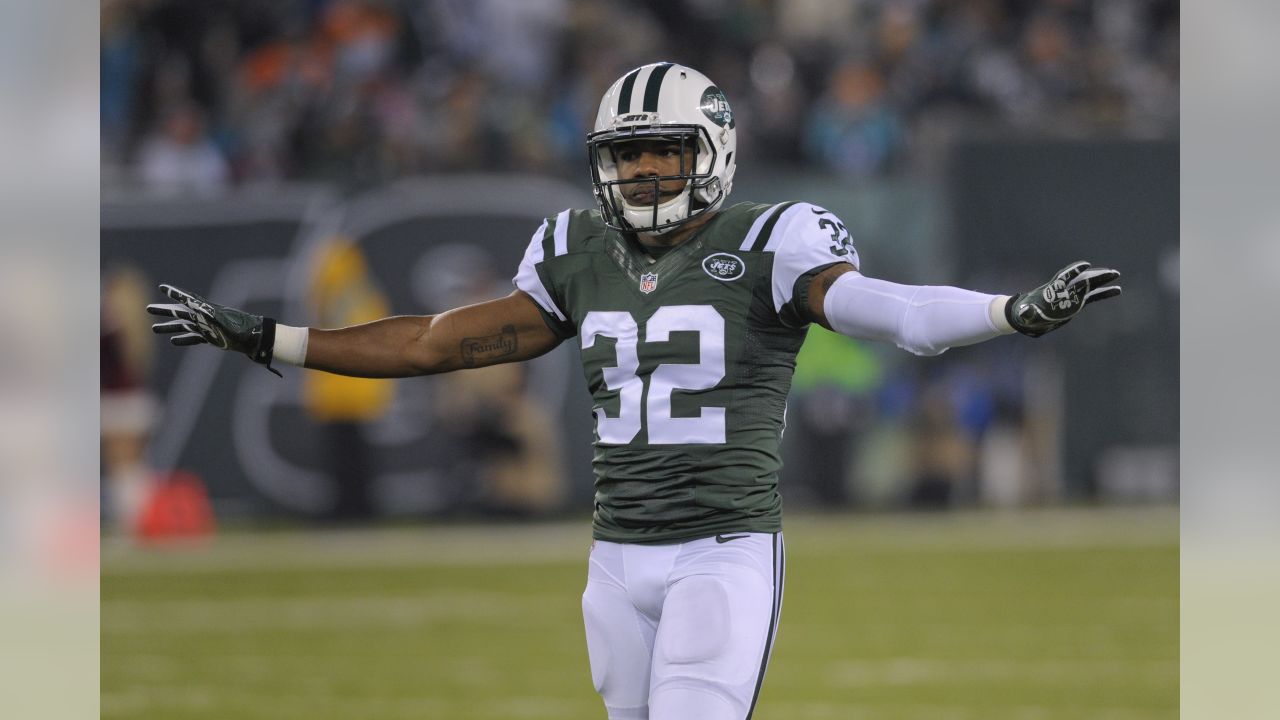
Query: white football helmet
{"points": [[669, 101]]}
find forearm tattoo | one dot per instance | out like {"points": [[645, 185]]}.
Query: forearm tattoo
{"points": [[483, 350]]}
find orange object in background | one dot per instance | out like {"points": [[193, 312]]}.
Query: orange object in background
{"points": [[178, 509]]}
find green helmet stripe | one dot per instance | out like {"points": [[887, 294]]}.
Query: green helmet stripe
{"points": [[654, 87], [624, 99]]}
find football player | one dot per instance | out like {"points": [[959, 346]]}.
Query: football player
{"points": [[689, 313]]}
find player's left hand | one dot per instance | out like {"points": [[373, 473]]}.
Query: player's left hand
{"points": [[1054, 303], [200, 321]]}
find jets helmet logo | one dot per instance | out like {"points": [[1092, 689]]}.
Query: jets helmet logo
{"points": [[716, 107], [648, 283]]}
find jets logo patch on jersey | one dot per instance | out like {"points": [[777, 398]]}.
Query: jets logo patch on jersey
{"points": [[724, 267], [648, 283]]}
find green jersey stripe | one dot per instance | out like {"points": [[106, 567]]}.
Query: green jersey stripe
{"points": [[763, 239], [624, 99], [654, 87], [784, 218], [754, 232], [549, 237]]}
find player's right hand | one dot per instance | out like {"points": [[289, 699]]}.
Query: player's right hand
{"points": [[200, 321]]}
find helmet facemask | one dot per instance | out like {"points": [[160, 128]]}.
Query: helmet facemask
{"points": [[701, 192], [672, 103]]}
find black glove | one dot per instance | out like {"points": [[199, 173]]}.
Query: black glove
{"points": [[1053, 304], [200, 321]]}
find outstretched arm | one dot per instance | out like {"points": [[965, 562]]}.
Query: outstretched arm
{"points": [[498, 331], [926, 319]]}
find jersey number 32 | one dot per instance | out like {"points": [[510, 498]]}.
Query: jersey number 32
{"points": [[654, 402]]}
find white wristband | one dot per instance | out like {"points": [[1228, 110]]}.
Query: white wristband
{"points": [[996, 309], [291, 344]]}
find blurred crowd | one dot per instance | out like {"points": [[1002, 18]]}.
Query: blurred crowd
{"points": [[200, 94]]}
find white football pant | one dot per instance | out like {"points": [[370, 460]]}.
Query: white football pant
{"points": [[683, 632]]}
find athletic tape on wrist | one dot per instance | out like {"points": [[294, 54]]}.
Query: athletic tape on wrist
{"points": [[291, 344], [1000, 313]]}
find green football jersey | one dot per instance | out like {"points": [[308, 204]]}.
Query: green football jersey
{"points": [[688, 358]]}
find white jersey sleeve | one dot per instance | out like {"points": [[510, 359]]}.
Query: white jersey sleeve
{"points": [[548, 241], [921, 319], [806, 238]]}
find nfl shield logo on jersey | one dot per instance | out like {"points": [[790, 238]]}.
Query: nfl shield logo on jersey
{"points": [[648, 283]]}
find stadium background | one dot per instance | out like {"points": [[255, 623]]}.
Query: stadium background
{"points": [[304, 158]]}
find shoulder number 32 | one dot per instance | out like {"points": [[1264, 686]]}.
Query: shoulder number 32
{"points": [[654, 401]]}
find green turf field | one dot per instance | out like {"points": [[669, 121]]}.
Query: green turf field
{"points": [[971, 616]]}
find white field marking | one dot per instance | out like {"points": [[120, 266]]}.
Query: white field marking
{"points": [[988, 529], [251, 615], [921, 671], [541, 543]]}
